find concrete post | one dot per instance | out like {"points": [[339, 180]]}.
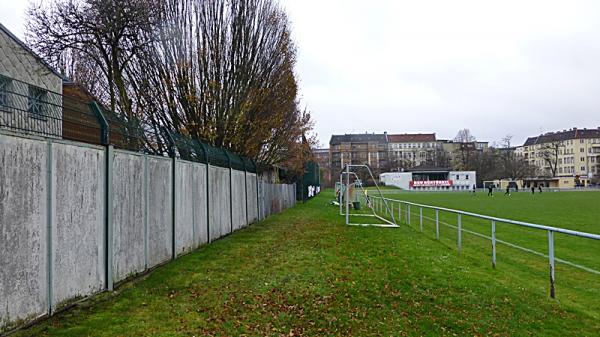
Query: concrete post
{"points": [[108, 245], [49, 226]]}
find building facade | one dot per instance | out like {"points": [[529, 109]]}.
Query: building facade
{"points": [[359, 149], [430, 179], [30, 90], [567, 153], [409, 150]]}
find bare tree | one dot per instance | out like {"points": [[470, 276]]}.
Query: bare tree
{"points": [[217, 71], [104, 35], [467, 148], [464, 136], [550, 152]]}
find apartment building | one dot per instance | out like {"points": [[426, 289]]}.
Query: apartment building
{"points": [[358, 149], [410, 150], [574, 152]]}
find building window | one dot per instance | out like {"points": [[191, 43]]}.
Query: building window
{"points": [[583, 168], [581, 150], [582, 159], [457, 177], [467, 177], [37, 102], [5, 84]]}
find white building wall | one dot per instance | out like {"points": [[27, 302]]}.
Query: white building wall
{"points": [[19, 64]]}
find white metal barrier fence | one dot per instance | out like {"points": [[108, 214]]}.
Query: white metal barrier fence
{"points": [[404, 209]]}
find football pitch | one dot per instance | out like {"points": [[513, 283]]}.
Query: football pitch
{"points": [[574, 210]]}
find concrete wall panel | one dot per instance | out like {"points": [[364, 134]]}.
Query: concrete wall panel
{"points": [[252, 198], [78, 262], [160, 210], [239, 199], [199, 206], [128, 215], [220, 216], [23, 219], [184, 207]]}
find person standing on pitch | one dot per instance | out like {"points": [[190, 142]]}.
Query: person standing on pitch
{"points": [[490, 190], [532, 190], [540, 188], [507, 191], [474, 189]]}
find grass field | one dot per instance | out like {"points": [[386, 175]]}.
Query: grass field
{"points": [[303, 273]]}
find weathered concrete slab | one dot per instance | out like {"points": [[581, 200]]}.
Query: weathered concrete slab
{"points": [[128, 215], [160, 210], [78, 262], [23, 219], [220, 216], [184, 207], [200, 205], [238, 199], [252, 198]]}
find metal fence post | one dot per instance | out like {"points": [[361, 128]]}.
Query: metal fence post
{"points": [[408, 215], [400, 211], [49, 225], [459, 240], [437, 224], [493, 244], [421, 218], [551, 260]]}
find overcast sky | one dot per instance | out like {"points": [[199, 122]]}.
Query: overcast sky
{"points": [[495, 67]]}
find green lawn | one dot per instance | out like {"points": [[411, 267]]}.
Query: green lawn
{"points": [[304, 273]]}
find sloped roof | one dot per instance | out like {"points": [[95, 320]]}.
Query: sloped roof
{"points": [[358, 138], [563, 135], [412, 138], [36, 56]]}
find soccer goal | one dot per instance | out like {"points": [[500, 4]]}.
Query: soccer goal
{"points": [[352, 195]]}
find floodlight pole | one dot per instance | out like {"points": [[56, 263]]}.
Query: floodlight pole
{"points": [[347, 192]]}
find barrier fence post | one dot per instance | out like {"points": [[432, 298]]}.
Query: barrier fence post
{"points": [[400, 211], [437, 224], [421, 218], [493, 244], [551, 260], [408, 215], [459, 240]]}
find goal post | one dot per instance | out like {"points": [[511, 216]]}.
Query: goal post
{"points": [[345, 197]]}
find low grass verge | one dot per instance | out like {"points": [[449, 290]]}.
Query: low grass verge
{"points": [[303, 273]]}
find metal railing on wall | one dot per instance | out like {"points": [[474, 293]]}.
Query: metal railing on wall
{"points": [[75, 115], [406, 211]]}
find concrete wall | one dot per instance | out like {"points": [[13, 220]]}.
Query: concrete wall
{"points": [[200, 204], [23, 232], [252, 198], [219, 202], [78, 267], [128, 209], [55, 233], [160, 210], [238, 198]]}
